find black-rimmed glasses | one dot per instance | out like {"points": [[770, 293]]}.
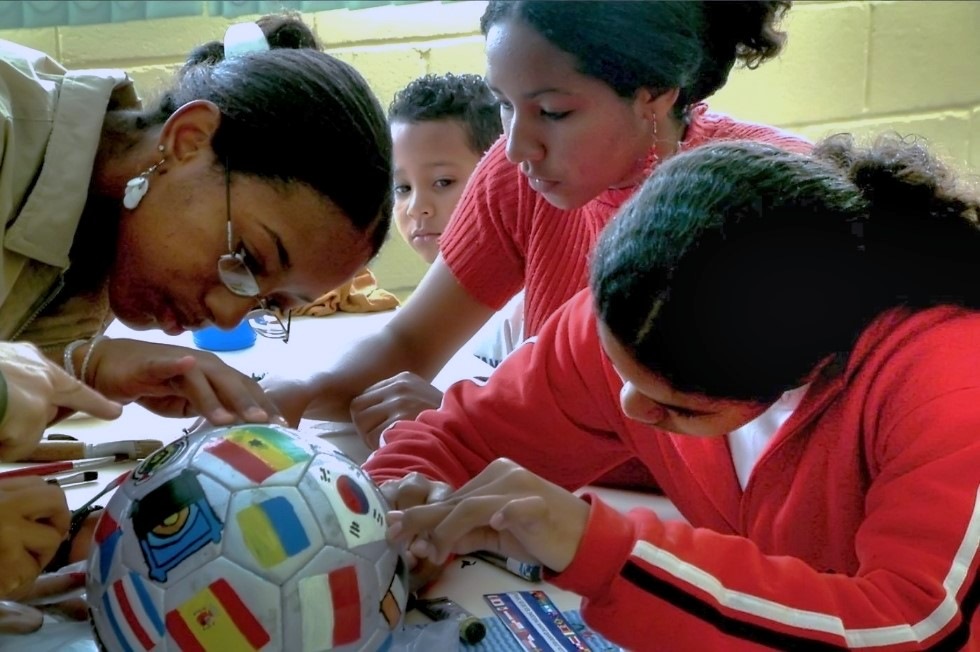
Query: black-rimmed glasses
{"points": [[239, 279]]}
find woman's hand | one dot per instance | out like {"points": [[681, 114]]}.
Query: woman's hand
{"points": [[39, 392], [505, 509], [403, 396], [34, 520], [175, 381]]}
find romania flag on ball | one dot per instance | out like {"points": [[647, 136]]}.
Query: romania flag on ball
{"points": [[215, 618], [258, 452]]}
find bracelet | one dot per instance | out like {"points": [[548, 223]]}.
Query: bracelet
{"points": [[69, 361], [88, 358], [61, 556], [3, 396]]}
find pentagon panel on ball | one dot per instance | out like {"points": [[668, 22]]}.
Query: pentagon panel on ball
{"points": [[247, 537]]}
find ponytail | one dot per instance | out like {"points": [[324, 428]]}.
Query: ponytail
{"points": [[920, 222]]}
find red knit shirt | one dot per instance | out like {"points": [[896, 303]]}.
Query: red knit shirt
{"points": [[504, 236]]}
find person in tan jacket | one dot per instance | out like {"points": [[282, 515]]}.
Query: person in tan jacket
{"points": [[196, 210]]}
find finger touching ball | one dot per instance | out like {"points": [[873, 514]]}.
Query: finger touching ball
{"points": [[246, 537]]}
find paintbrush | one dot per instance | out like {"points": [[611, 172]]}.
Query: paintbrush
{"points": [[75, 478], [82, 511], [52, 468], [54, 451]]}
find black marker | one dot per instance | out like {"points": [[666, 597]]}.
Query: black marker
{"points": [[523, 569]]}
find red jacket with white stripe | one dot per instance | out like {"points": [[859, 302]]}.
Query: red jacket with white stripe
{"points": [[858, 528]]}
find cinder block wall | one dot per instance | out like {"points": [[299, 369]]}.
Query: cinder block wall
{"points": [[911, 66]]}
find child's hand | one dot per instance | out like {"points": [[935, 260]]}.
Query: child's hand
{"points": [[34, 519], [411, 491], [401, 397], [505, 509]]}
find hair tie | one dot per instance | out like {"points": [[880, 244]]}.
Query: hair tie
{"points": [[243, 38]]}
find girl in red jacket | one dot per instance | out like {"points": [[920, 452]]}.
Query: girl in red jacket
{"points": [[791, 345]]}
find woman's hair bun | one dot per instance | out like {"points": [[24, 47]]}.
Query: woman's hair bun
{"points": [[282, 30], [208, 54], [750, 28]]}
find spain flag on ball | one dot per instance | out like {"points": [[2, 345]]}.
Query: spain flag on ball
{"points": [[258, 452], [215, 618]]}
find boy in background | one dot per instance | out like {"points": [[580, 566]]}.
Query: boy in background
{"points": [[440, 128], [441, 125]]}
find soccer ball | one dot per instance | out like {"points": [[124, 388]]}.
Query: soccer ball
{"points": [[249, 537]]}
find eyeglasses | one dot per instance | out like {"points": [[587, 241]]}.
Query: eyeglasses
{"points": [[239, 279]]}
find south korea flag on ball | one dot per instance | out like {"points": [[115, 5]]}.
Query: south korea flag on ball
{"points": [[353, 497]]}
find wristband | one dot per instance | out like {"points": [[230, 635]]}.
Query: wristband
{"points": [[3, 396], [88, 358]]}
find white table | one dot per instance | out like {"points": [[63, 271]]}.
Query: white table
{"points": [[314, 343]]}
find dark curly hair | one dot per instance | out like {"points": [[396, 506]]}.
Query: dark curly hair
{"points": [[739, 267], [457, 97], [684, 44]]}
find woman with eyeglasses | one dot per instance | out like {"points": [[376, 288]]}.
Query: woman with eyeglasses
{"points": [[196, 210]]}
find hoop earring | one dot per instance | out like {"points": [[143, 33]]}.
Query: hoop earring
{"points": [[137, 187]]}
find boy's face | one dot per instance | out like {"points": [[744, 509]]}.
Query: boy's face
{"points": [[432, 162]]}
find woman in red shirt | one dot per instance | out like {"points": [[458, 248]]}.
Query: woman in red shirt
{"points": [[593, 96]]}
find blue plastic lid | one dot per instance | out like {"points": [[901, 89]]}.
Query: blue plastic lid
{"points": [[213, 338]]}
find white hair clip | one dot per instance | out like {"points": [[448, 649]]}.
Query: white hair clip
{"points": [[243, 38]]}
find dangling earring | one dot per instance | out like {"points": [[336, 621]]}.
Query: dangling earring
{"points": [[137, 186], [655, 159]]}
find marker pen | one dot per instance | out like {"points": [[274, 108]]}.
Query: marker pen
{"points": [[471, 629], [523, 569]]}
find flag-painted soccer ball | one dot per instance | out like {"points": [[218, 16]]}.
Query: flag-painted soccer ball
{"points": [[249, 537]]}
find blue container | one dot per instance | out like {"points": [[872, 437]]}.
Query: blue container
{"points": [[213, 338]]}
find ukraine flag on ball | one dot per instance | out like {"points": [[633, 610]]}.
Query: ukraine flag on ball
{"points": [[272, 531]]}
